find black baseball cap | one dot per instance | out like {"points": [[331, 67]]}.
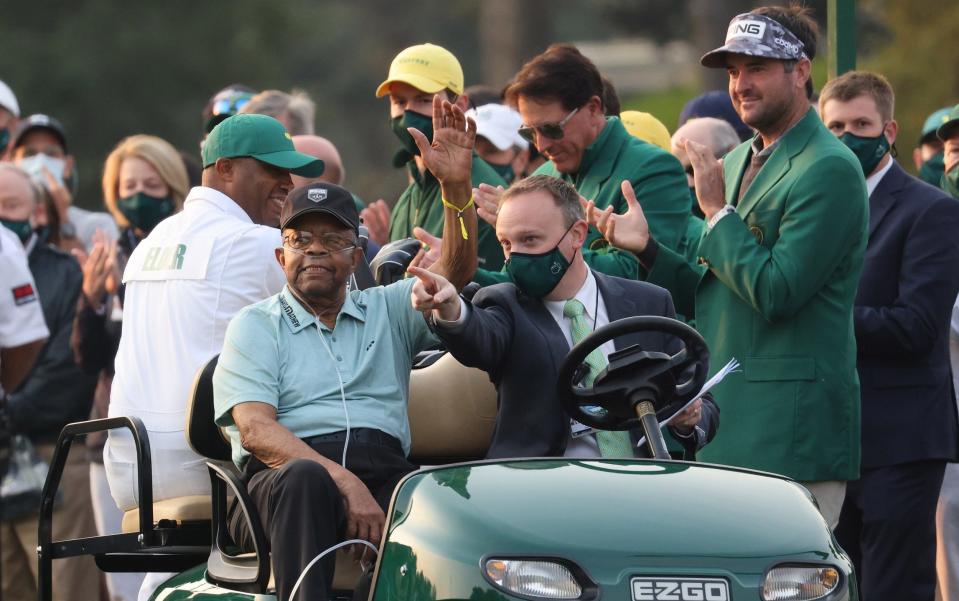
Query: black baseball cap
{"points": [[40, 121], [321, 197]]}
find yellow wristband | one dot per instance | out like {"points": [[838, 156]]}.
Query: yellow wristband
{"points": [[459, 214]]}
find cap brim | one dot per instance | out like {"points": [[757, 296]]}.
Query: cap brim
{"points": [[318, 209], [58, 134], [297, 163], [498, 139], [716, 59], [419, 82], [947, 129]]}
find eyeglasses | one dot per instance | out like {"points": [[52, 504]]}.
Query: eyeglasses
{"points": [[230, 105], [553, 131], [332, 243]]}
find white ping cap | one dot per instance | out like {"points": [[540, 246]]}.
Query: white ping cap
{"points": [[499, 124], [8, 100]]}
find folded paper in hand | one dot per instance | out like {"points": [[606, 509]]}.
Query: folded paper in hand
{"points": [[727, 369]]}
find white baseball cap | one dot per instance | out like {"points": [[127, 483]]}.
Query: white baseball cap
{"points": [[499, 124], [8, 100]]}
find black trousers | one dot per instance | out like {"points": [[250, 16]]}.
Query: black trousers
{"points": [[888, 528], [302, 511]]}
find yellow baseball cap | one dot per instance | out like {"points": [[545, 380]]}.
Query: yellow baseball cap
{"points": [[646, 127], [426, 67]]}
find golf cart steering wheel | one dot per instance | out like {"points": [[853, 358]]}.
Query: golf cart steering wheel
{"points": [[633, 375]]}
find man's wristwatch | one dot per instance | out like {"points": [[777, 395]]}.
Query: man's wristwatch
{"points": [[719, 215]]}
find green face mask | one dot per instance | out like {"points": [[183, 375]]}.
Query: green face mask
{"points": [[145, 211], [931, 171], [505, 171], [416, 121], [537, 274], [21, 228], [869, 151], [950, 181], [4, 138]]}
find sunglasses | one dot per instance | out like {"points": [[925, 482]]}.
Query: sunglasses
{"points": [[332, 243], [230, 105], [553, 131]]}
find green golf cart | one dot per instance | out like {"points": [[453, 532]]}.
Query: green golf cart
{"points": [[483, 530]]}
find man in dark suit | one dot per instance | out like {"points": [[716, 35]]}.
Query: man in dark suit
{"points": [[909, 282], [520, 332]]}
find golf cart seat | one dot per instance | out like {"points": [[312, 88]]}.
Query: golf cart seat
{"points": [[238, 570], [179, 510], [452, 412]]}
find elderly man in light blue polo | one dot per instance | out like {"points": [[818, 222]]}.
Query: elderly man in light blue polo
{"points": [[312, 383]]}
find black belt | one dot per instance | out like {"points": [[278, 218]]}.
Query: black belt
{"points": [[361, 435], [364, 435]]}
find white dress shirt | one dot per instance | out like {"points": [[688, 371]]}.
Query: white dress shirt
{"points": [[873, 180], [595, 305]]}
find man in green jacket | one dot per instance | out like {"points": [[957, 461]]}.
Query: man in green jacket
{"points": [[778, 265], [559, 95], [416, 75]]}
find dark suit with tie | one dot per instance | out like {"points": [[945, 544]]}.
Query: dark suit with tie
{"points": [[909, 283], [515, 339]]}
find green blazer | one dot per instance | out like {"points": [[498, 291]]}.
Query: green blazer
{"points": [[660, 185], [773, 286]]}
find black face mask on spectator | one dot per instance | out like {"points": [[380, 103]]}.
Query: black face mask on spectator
{"points": [[21, 228]]}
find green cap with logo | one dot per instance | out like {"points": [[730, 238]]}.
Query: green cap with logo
{"points": [[949, 125], [260, 137]]}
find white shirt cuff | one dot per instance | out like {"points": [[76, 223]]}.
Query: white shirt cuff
{"points": [[727, 210], [459, 322]]}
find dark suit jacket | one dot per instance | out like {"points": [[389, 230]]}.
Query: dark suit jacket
{"points": [[56, 391], [909, 283], [517, 342]]}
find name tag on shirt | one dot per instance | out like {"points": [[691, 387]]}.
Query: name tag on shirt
{"points": [[169, 260]]}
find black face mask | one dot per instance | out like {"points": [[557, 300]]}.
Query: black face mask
{"points": [[505, 171], [21, 228], [415, 120], [932, 170]]}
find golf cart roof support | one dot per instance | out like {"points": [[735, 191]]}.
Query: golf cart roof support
{"points": [[841, 34]]}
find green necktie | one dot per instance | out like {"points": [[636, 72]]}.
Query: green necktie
{"points": [[611, 444]]}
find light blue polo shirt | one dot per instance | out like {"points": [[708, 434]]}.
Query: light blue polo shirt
{"points": [[273, 354]]}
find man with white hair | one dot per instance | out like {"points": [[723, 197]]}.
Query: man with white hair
{"points": [[296, 110], [715, 134]]}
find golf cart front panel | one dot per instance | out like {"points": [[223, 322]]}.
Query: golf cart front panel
{"points": [[620, 528]]}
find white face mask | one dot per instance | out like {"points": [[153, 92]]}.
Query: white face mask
{"points": [[34, 165]]}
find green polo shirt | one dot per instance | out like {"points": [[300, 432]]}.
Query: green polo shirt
{"points": [[273, 354], [421, 205]]}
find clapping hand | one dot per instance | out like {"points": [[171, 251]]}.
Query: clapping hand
{"points": [[708, 177], [101, 272], [430, 251], [376, 218], [629, 231], [487, 199]]}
